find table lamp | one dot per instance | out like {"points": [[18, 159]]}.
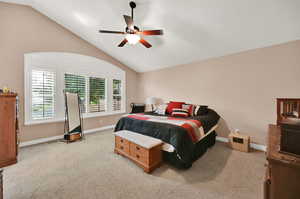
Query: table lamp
{"points": [[151, 101]]}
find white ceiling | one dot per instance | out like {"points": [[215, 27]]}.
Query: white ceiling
{"points": [[194, 29]]}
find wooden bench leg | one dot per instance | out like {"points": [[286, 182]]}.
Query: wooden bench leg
{"points": [[116, 152], [147, 170]]}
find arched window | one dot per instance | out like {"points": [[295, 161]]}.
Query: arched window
{"points": [[101, 86]]}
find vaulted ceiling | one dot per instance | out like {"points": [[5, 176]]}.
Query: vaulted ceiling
{"points": [[194, 30]]}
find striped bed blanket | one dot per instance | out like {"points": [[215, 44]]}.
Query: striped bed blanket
{"points": [[180, 135], [193, 127]]}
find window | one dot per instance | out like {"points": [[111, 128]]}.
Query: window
{"points": [[77, 84], [117, 98], [42, 94], [100, 85], [97, 101], [89, 89]]}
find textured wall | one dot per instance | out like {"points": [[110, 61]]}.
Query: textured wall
{"points": [[24, 30], [242, 87]]}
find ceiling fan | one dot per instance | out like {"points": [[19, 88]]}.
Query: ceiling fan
{"points": [[132, 33]]}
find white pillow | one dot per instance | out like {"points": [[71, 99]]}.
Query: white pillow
{"points": [[161, 109]]}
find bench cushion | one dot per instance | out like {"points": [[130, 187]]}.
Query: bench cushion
{"points": [[139, 139]]}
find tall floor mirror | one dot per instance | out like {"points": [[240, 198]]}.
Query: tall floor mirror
{"points": [[73, 118]]}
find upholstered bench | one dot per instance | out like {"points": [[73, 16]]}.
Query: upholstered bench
{"points": [[143, 150]]}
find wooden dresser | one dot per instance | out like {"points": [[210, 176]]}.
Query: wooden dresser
{"points": [[1, 185], [283, 170], [8, 130]]}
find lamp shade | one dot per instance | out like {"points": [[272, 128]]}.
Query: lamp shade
{"points": [[151, 100]]}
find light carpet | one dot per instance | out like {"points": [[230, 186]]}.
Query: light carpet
{"points": [[90, 170]]}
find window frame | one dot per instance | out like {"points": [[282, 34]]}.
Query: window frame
{"points": [[105, 94], [60, 70], [117, 95], [86, 87], [88, 114], [30, 93]]}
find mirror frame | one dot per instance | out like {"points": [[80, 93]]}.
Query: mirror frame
{"points": [[67, 121]]}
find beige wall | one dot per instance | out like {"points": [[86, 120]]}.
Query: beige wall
{"points": [[24, 30], [242, 87]]}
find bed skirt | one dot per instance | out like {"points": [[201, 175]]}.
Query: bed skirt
{"points": [[200, 149]]}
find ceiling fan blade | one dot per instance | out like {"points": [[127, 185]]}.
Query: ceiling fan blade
{"points": [[152, 32], [114, 32], [129, 21], [123, 43], [145, 43]]}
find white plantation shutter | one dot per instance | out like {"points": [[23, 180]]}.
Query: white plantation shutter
{"points": [[100, 85], [117, 98], [43, 94], [97, 99], [77, 84]]}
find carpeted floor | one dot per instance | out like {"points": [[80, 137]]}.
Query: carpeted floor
{"points": [[89, 169]]}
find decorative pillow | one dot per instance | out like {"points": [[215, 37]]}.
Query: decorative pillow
{"points": [[161, 109], [180, 112], [201, 110], [172, 105], [190, 108]]}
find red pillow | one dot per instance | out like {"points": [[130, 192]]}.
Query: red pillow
{"points": [[172, 105]]}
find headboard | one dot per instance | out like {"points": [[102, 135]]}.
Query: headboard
{"points": [[288, 110]]}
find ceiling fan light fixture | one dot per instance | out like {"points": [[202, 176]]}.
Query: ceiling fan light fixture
{"points": [[132, 33], [133, 38]]}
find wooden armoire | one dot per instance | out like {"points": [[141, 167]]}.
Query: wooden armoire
{"points": [[282, 179], [283, 170], [8, 129]]}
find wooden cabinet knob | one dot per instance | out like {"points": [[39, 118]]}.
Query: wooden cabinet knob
{"points": [[121, 147], [137, 148], [122, 141], [137, 156]]}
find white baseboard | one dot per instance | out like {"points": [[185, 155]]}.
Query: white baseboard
{"points": [[259, 147], [99, 129], [222, 139], [49, 139]]}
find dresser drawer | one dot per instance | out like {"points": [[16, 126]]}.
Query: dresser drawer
{"points": [[139, 153], [136, 149], [122, 145]]}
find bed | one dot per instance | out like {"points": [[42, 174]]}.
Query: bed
{"points": [[185, 138]]}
